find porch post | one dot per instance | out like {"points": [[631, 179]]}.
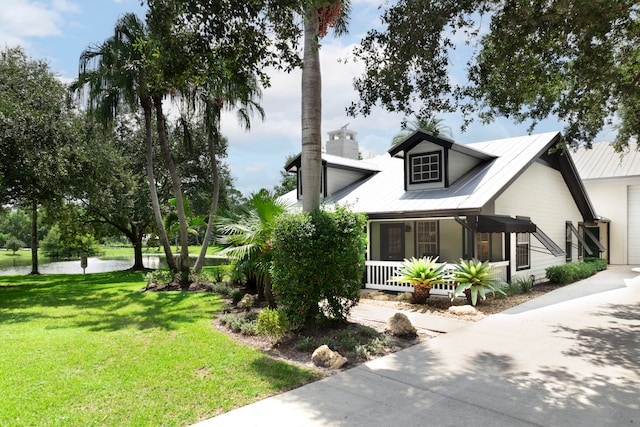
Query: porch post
{"points": [[471, 236], [507, 254]]}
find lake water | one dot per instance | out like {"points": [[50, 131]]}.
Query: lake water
{"points": [[94, 265]]}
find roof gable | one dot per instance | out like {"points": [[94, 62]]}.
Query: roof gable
{"points": [[401, 149]]}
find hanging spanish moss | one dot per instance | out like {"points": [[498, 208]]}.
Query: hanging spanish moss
{"points": [[328, 13]]}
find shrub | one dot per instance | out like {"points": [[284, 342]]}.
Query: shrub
{"points": [[475, 278], [422, 274], [599, 263], [523, 283], [569, 273], [222, 289], [272, 322], [318, 257], [236, 296], [244, 323], [160, 277]]}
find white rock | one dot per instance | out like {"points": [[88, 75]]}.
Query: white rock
{"points": [[325, 357], [463, 310]]}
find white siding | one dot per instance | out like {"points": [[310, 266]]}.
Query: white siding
{"points": [[609, 198], [541, 194], [460, 164], [337, 179], [633, 200]]}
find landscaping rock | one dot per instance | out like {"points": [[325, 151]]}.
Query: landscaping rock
{"points": [[399, 325], [405, 296], [324, 357], [463, 310], [248, 301]]}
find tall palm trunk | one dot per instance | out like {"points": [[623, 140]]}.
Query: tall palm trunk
{"points": [[183, 265], [34, 237], [214, 199], [311, 156], [155, 203]]}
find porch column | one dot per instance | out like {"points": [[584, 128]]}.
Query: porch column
{"points": [[471, 236], [507, 254]]}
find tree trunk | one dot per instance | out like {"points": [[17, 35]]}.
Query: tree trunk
{"points": [[155, 203], [311, 156], [34, 237], [137, 235], [183, 266], [214, 201]]}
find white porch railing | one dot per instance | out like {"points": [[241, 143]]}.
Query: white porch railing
{"points": [[379, 273]]}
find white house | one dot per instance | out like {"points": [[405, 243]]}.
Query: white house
{"points": [[613, 183], [508, 201]]}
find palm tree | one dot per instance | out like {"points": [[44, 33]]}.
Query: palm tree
{"points": [[220, 92], [430, 124], [319, 17], [114, 75], [249, 234]]}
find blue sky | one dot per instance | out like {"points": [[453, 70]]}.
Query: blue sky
{"points": [[58, 31]]}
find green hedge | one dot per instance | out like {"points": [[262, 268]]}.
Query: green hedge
{"points": [[569, 273], [318, 259]]}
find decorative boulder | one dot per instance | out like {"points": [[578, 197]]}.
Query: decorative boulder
{"points": [[324, 357], [463, 310], [399, 325], [247, 301], [405, 297]]}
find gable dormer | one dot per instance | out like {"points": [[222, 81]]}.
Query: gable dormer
{"points": [[336, 173], [432, 162]]}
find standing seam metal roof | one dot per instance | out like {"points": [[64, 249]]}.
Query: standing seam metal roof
{"points": [[601, 161], [384, 191]]}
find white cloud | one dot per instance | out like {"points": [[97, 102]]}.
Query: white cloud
{"points": [[26, 18]]}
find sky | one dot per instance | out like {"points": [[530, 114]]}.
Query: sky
{"points": [[57, 31]]}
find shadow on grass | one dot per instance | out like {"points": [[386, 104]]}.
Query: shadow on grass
{"points": [[99, 302]]}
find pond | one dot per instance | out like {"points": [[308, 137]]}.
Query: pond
{"points": [[94, 265]]}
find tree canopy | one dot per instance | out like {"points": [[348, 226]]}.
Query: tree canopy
{"points": [[577, 60]]}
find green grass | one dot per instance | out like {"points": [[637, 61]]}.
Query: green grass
{"points": [[91, 350], [128, 251]]}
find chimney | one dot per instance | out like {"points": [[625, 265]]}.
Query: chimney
{"points": [[342, 142]]}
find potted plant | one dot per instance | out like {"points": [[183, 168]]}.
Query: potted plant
{"points": [[473, 278], [422, 274]]}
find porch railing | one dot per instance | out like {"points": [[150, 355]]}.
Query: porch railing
{"points": [[378, 274]]}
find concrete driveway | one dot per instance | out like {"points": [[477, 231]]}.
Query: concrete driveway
{"points": [[571, 360]]}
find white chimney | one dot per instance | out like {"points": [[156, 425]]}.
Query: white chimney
{"points": [[342, 142]]}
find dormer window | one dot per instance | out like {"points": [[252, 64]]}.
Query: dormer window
{"points": [[426, 167]]}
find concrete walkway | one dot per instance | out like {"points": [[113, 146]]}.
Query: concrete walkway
{"points": [[572, 359]]}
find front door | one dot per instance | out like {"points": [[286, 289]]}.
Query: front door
{"points": [[392, 242]]}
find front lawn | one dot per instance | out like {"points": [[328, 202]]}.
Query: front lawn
{"points": [[92, 350]]}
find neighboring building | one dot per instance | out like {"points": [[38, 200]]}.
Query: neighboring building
{"points": [[507, 201], [613, 183]]}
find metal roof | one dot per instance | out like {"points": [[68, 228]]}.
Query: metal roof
{"points": [[383, 195], [601, 161], [384, 192]]}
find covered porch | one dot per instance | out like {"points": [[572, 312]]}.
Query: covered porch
{"points": [[379, 274], [484, 237]]}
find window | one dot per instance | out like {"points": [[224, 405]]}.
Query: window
{"points": [[427, 238], [523, 251], [568, 242], [426, 167], [483, 243]]}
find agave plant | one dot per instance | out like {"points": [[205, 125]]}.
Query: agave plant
{"points": [[473, 278], [422, 274]]}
